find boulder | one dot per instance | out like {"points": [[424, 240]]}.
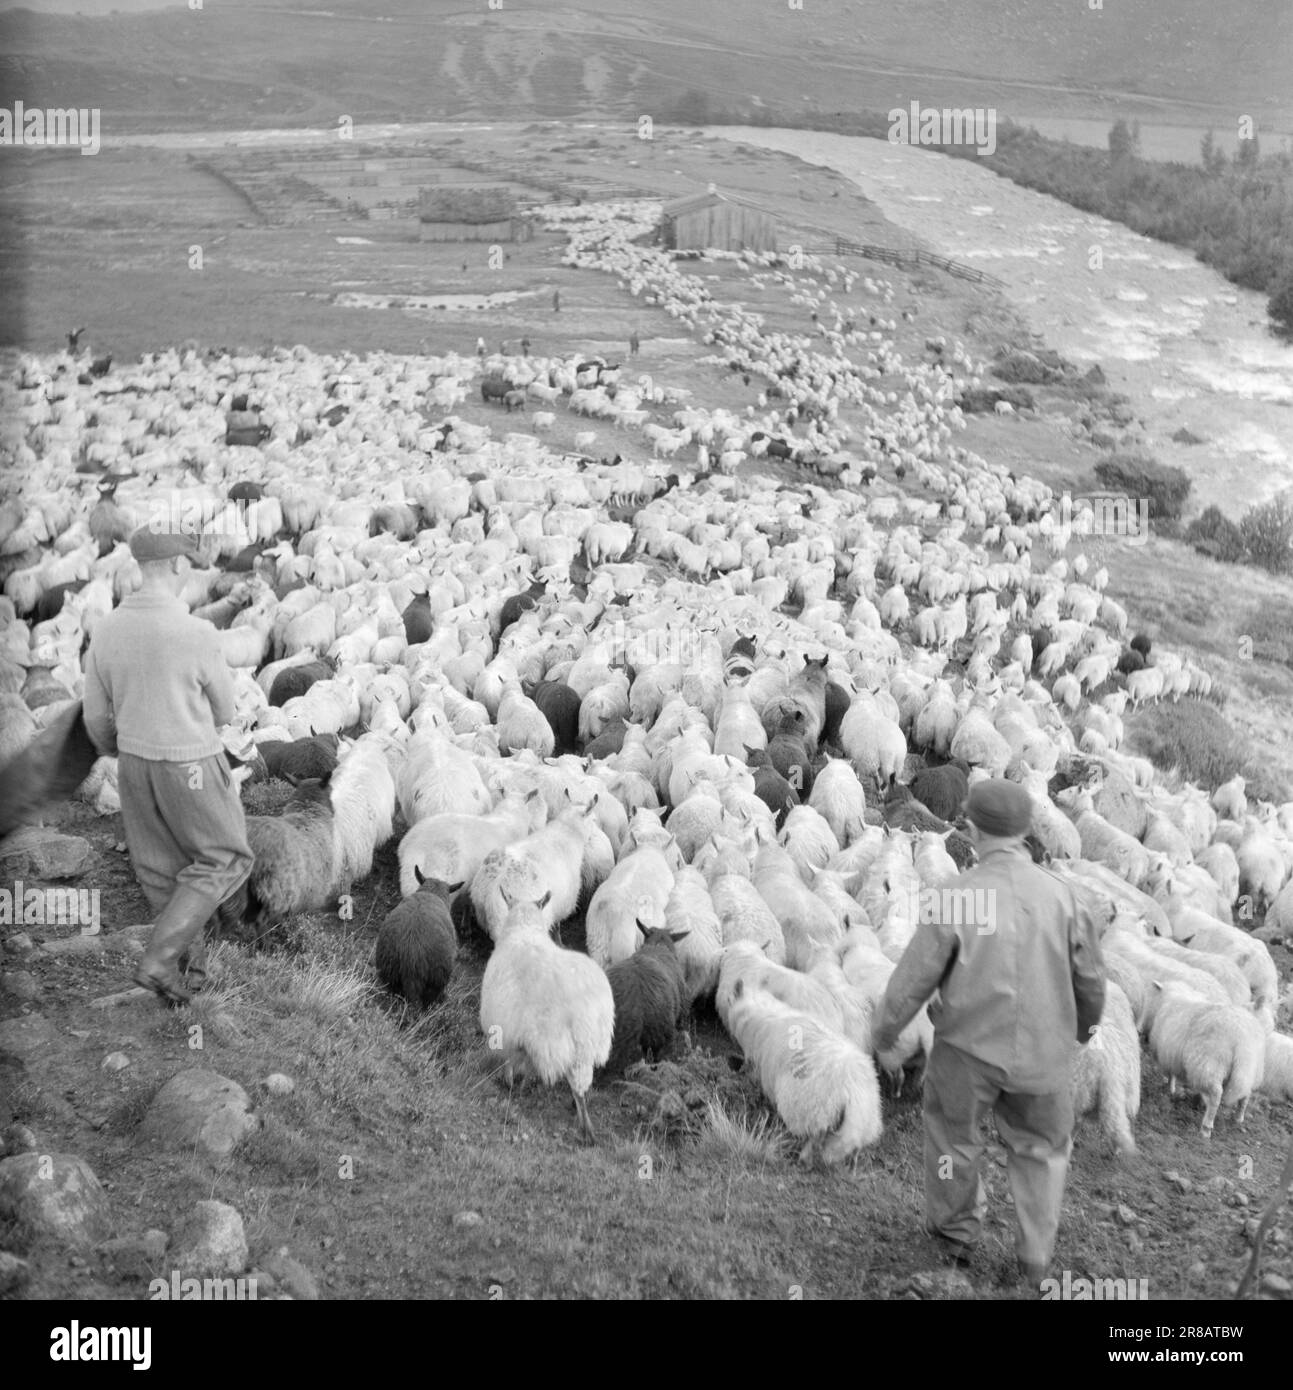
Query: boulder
{"points": [[20, 985], [54, 1196], [291, 1276], [26, 1037], [136, 1257], [14, 1272], [200, 1109], [211, 1240], [38, 853]]}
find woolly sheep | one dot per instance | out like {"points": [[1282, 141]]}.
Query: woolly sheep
{"points": [[872, 741], [690, 918], [363, 801], [546, 1009], [292, 869], [649, 991], [808, 839], [823, 1087], [416, 944], [546, 867], [1277, 1073], [1106, 1076], [743, 915], [807, 923], [840, 799], [452, 848], [629, 903], [1217, 1050]]}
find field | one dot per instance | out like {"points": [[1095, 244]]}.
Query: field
{"points": [[691, 1192]]}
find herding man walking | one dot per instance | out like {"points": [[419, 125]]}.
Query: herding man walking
{"points": [[1021, 985], [156, 688]]}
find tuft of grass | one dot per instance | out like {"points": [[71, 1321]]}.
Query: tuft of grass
{"points": [[1192, 739], [744, 1140]]}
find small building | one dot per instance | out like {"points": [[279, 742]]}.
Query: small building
{"points": [[470, 212], [699, 221]]}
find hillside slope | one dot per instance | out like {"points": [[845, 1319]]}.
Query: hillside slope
{"points": [[239, 64]]}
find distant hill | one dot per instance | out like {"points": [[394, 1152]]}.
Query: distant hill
{"points": [[236, 65]]}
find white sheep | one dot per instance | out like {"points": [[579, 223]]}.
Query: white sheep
{"points": [[824, 1088], [1277, 1073], [451, 848], [807, 923], [691, 910], [631, 900], [363, 806], [1217, 1050], [840, 799], [1106, 1077], [547, 1008]]}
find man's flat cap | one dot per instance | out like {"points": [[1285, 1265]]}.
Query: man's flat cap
{"points": [[1000, 807], [150, 543]]}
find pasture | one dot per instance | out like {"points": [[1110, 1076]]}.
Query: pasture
{"points": [[396, 1127]]}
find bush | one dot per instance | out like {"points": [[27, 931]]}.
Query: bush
{"points": [[982, 400], [1191, 737], [1267, 533], [1138, 475], [1215, 534], [1015, 365]]}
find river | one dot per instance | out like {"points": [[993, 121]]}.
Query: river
{"points": [[1188, 347]]}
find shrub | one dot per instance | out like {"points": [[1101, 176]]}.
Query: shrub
{"points": [[981, 400], [1215, 534], [1018, 366], [1191, 737], [1267, 533], [1139, 475]]}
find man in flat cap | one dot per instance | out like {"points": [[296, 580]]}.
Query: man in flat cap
{"points": [[1014, 956], [156, 688]]}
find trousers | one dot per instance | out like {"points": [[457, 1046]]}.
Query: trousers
{"points": [[1037, 1131], [184, 827]]}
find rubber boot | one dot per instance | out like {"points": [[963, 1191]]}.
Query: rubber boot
{"points": [[178, 923], [226, 918]]}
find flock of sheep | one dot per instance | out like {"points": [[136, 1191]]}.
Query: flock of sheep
{"points": [[729, 719]]}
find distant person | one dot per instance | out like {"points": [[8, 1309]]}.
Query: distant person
{"points": [[556, 301], [634, 344], [1018, 991], [525, 347], [73, 339], [156, 690], [480, 348], [464, 267]]}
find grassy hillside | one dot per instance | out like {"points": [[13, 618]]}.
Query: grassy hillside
{"points": [[243, 65]]}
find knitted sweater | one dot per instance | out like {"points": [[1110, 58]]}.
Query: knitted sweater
{"points": [[156, 682]]}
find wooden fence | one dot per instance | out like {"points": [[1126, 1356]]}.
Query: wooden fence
{"points": [[908, 259]]}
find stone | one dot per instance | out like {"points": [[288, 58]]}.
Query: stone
{"points": [[14, 1272], [464, 1219], [1276, 1284], [279, 1085], [290, 1276], [21, 985], [200, 1109], [19, 944], [136, 1257], [1126, 1215], [17, 1139], [115, 1061], [211, 1241], [80, 945], [37, 853], [29, 1036], [941, 1284], [55, 1196], [1177, 1181]]}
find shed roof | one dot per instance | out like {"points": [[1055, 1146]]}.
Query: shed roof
{"points": [[707, 198]]}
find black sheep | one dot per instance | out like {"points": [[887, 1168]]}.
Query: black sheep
{"points": [[837, 705], [417, 945], [296, 680], [559, 705], [418, 622], [942, 790], [650, 996], [516, 604], [788, 754], [246, 492], [1142, 644], [50, 603], [1130, 661], [297, 759], [608, 742], [48, 770], [775, 792]]}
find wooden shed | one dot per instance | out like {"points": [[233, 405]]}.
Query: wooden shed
{"points": [[469, 212], [699, 221]]}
